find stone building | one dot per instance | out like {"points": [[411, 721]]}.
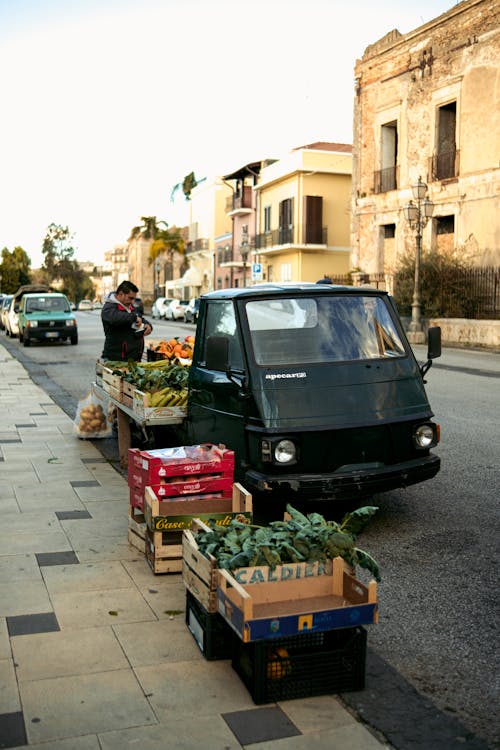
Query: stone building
{"points": [[427, 105]]}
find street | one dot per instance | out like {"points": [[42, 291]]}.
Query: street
{"points": [[436, 543]]}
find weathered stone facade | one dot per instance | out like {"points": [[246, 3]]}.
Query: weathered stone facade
{"points": [[427, 105]]}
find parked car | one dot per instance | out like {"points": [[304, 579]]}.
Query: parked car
{"points": [[160, 306], [175, 310], [4, 310], [191, 311], [96, 305], [12, 319], [46, 317], [85, 304]]}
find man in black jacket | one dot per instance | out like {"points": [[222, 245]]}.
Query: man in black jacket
{"points": [[124, 329]]}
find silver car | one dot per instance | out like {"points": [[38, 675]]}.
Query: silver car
{"points": [[4, 308], [12, 319], [159, 306]]}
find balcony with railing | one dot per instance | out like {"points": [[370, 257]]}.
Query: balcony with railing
{"points": [[385, 180], [240, 203], [196, 246], [444, 165], [310, 234], [237, 258]]}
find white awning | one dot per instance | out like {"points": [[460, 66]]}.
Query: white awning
{"points": [[192, 277]]}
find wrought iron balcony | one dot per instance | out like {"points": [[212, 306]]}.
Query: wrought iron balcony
{"points": [[310, 234], [385, 180], [195, 246], [444, 165]]}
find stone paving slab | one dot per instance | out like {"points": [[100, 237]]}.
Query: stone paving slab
{"points": [[214, 688], [9, 694], [67, 579], [67, 652], [30, 597], [19, 568], [152, 643], [83, 704], [33, 541], [87, 609], [87, 742], [202, 734]]}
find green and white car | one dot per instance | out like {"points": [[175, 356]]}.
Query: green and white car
{"points": [[46, 316]]}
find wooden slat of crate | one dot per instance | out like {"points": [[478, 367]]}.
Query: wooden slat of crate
{"points": [[128, 388], [136, 521], [115, 381], [127, 401], [163, 564], [136, 540]]}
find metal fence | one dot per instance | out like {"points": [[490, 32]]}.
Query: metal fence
{"points": [[472, 293]]}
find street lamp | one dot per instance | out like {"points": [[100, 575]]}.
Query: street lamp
{"points": [[417, 215], [244, 250], [157, 277]]}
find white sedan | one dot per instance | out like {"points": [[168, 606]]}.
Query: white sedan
{"points": [[176, 309], [12, 319]]}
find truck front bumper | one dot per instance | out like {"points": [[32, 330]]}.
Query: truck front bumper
{"points": [[346, 483]]}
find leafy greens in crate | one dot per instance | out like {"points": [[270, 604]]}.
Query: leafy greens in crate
{"points": [[299, 538]]}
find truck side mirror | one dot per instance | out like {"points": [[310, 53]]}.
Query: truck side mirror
{"points": [[217, 353], [433, 347], [434, 342]]}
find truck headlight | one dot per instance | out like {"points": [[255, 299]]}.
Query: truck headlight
{"points": [[71, 322], [425, 436], [285, 452], [31, 323]]}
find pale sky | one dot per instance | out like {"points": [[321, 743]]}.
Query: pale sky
{"points": [[106, 104]]}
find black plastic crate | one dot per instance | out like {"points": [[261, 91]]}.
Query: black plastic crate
{"points": [[210, 631], [302, 665], [153, 356]]}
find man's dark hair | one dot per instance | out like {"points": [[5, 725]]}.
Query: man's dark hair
{"points": [[126, 287]]}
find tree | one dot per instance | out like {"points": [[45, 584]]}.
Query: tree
{"points": [[444, 291], [59, 263], [188, 184], [15, 269]]}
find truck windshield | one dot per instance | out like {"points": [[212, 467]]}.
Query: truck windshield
{"points": [[47, 304], [323, 329]]}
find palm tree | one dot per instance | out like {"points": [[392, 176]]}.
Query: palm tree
{"points": [[148, 229], [189, 182]]}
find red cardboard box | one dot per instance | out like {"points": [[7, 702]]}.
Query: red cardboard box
{"points": [[184, 461], [134, 467], [196, 486]]}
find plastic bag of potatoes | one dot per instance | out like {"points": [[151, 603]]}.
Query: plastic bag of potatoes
{"points": [[94, 416]]}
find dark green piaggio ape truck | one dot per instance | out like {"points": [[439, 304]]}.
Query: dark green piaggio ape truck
{"points": [[316, 389]]}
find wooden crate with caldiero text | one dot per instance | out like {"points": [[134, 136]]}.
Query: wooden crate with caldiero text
{"points": [[263, 610]]}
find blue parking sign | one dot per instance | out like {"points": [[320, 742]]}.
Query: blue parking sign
{"points": [[256, 271]]}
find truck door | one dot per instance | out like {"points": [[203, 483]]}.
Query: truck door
{"points": [[217, 395]]}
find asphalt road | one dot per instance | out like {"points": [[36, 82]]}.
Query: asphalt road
{"points": [[433, 660]]}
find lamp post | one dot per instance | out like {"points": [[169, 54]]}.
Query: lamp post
{"points": [[417, 213], [157, 277], [244, 250]]}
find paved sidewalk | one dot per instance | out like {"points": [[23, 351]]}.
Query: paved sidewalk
{"points": [[94, 650]]}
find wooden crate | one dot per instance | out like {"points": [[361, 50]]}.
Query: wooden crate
{"points": [[178, 514], [128, 388], [127, 401], [264, 610], [161, 414]]}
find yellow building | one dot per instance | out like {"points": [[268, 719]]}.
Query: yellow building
{"points": [[427, 106], [303, 214]]}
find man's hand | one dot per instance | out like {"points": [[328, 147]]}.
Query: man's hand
{"points": [[147, 329]]}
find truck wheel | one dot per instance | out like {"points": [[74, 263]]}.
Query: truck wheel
{"points": [[25, 339], [74, 340]]}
